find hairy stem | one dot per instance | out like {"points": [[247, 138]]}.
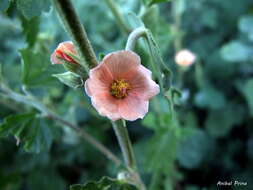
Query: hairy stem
{"points": [[122, 135], [69, 18], [31, 101], [117, 15], [125, 143], [134, 36]]}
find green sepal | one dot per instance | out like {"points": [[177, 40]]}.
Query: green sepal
{"points": [[70, 79], [74, 67]]}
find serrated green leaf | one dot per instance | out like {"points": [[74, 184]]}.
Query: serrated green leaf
{"points": [[32, 132], [32, 8], [36, 68], [14, 123], [70, 79], [105, 183], [30, 29]]}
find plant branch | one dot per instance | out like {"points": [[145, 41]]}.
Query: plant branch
{"points": [[31, 101], [134, 36], [68, 16]]}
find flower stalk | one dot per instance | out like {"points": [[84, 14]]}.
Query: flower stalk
{"points": [[70, 20], [122, 135], [125, 143], [134, 36]]}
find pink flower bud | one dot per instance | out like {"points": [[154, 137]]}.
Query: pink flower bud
{"points": [[120, 87], [185, 58], [62, 52]]}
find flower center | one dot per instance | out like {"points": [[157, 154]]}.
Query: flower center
{"points": [[119, 88]]}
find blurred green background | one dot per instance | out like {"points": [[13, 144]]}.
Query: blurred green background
{"points": [[211, 138]]}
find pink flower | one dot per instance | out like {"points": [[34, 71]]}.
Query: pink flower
{"points": [[62, 51], [185, 58], [120, 87]]}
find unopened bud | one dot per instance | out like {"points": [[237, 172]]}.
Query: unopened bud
{"points": [[185, 58], [66, 54]]}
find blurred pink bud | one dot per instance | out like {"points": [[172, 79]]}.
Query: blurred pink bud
{"points": [[120, 87], [62, 53], [185, 58]]}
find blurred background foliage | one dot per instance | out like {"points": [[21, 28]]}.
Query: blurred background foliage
{"points": [[208, 139]]}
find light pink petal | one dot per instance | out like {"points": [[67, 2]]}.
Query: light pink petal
{"points": [[93, 87], [106, 105], [142, 85], [146, 91], [99, 81], [132, 108], [68, 46], [145, 71], [102, 74], [121, 62]]}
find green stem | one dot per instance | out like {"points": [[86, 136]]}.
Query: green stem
{"points": [[134, 36], [122, 135], [125, 143], [77, 32], [117, 15]]}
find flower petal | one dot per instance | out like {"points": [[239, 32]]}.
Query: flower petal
{"points": [[106, 105], [132, 108], [102, 74], [142, 84], [99, 81], [93, 87], [121, 62]]}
